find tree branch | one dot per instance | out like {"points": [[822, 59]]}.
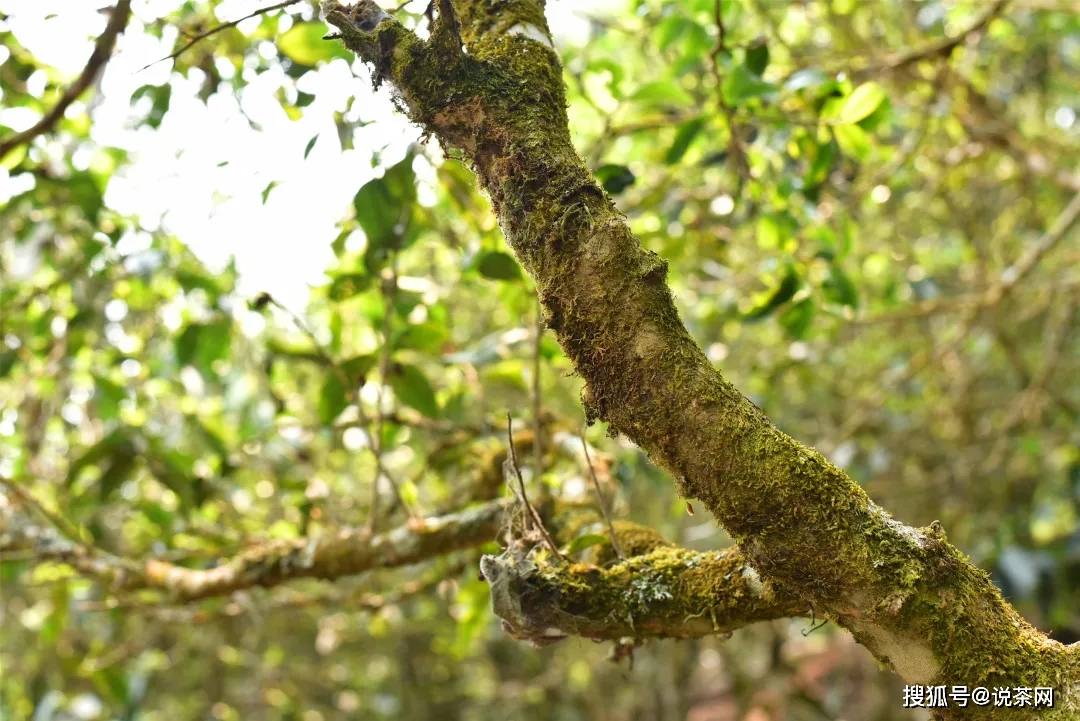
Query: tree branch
{"points": [[941, 48], [662, 592], [217, 29], [906, 594], [333, 555], [103, 49]]}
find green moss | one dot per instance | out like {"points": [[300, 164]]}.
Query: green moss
{"points": [[800, 520]]}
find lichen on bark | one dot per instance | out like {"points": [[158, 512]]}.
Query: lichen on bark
{"points": [[658, 590]]}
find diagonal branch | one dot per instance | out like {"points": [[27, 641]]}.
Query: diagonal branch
{"points": [[217, 29], [909, 596], [103, 49], [941, 48]]}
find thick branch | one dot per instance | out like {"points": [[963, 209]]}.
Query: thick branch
{"points": [[906, 594], [103, 49], [663, 592]]}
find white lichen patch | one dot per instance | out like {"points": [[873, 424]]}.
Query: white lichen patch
{"points": [[532, 32], [647, 342], [753, 580], [914, 662]]}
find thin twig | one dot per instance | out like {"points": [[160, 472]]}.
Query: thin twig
{"points": [[738, 154], [103, 49], [944, 47], [532, 517], [601, 501], [1035, 252], [57, 521], [217, 29], [299, 322], [389, 290]]}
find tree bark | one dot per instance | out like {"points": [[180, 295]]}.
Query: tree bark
{"points": [[910, 597]]}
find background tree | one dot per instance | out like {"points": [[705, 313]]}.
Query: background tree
{"points": [[816, 178]]}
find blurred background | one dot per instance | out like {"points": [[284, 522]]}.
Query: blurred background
{"points": [[868, 207]]}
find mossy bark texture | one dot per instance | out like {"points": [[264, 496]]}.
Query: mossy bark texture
{"points": [[657, 591], [489, 84]]}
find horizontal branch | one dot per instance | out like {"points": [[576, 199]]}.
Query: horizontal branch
{"points": [[333, 555], [663, 592]]}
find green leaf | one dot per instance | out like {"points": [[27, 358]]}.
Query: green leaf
{"points": [[662, 93], [357, 368], [741, 85], [789, 285], [770, 232], [266, 191], [332, 398], [7, 361], [85, 193], [615, 178], [160, 98], [190, 280], [497, 265], [116, 471], [309, 146], [117, 443], [412, 388], [839, 288], [684, 136], [57, 619], [864, 100], [796, 320], [853, 141], [383, 208], [107, 397], [304, 44], [474, 600], [174, 469], [670, 29], [347, 285], [821, 165], [757, 57], [427, 337], [157, 514], [582, 542], [201, 344]]}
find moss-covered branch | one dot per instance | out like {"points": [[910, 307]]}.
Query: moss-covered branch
{"points": [[658, 591], [906, 594]]}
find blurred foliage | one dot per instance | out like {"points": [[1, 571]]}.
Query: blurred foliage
{"points": [[837, 210]]}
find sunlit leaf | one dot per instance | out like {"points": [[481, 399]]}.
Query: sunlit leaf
{"points": [[684, 136], [304, 44], [740, 85], [864, 100], [789, 285]]}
